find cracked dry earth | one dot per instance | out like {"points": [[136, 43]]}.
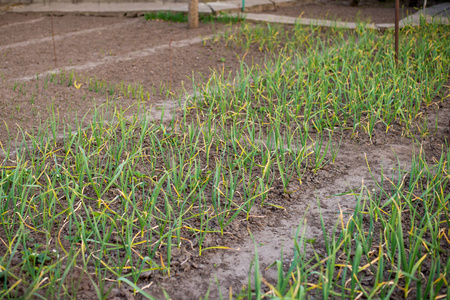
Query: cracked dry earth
{"points": [[154, 54]]}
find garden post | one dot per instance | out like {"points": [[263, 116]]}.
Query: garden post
{"points": [[193, 14]]}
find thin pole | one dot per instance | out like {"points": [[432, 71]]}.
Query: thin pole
{"points": [[170, 62], [397, 20], [53, 41]]}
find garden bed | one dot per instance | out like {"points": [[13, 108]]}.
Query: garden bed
{"points": [[106, 56], [303, 152]]}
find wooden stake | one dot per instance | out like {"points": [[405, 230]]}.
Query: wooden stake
{"points": [[193, 14]]}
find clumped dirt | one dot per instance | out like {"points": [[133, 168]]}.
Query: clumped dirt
{"points": [[155, 54], [373, 11]]}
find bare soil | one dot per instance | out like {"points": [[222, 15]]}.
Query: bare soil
{"points": [[116, 50], [119, 51], [367, 11]]}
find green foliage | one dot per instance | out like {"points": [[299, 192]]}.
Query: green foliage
{"points": [[396, 241], [181, 17], [115, 195]]}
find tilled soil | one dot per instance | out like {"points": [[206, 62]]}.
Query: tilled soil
{"points": [[118, 51], [157, 54], [374, 12]]}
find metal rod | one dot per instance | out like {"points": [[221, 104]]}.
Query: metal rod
{"points": [[53, 41], [397, 20], [448, 140], [170, 63]]}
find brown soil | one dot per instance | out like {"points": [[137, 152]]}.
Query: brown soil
{"points": [[374, 12], [153, 53], [117, 51]]}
